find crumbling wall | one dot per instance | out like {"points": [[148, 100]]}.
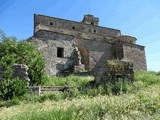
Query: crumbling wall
{"points": [[98, 54], [124, 38], [19, 70], [101, 44], [74, 32], [116, 70], [58, 51], [67, 24]]}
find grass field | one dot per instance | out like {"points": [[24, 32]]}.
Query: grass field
{"points": [[140, 102], [68, 81]]}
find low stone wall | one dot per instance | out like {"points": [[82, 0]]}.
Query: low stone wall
{"points": [[47, 89], [19, 70], [118, 70]]}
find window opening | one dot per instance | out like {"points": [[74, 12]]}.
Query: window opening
{"points": [[94, 31], [92, 23], [60, 52], [73, 27], [51, 23]]}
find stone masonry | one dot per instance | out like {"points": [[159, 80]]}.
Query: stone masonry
{"points": [[61, 40], [19, 70]]}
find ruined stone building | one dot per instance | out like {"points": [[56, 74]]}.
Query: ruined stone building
{"points": [[68, 44]]}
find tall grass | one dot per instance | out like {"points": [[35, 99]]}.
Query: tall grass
{"points": [[143, 104], [68, 81], [147, 78], [140, 101]]}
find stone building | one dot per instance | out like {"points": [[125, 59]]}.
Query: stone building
{"points": [[83, 45]]}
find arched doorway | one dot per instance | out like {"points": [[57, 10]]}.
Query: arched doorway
{"points": [[85, 56]]}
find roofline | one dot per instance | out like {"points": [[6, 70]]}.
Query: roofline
{"points": [[76, 22]]}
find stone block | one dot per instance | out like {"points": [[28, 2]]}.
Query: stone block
{"points": [[79, 68]]}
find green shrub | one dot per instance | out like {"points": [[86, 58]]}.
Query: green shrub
{"points": [[73, 92], [15, 101], [10, 102], [21, 52], [148, 78], [121, 86], [55, 96], [12, 88]]}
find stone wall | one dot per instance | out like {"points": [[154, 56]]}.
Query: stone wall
{"points": [[90, 19], [67, 24], [116, 70], [99, 53], [51, 44], [117, 50], [19, 70], [75, 33], [131, 52], [135, 54], [124, 38], [95, 44]]}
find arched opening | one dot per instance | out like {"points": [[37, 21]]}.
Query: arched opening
{"points": [[85, 56]]}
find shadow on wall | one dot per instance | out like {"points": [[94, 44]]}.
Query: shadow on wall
{"points": [[100, 67]]}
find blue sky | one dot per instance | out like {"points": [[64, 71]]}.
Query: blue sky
{"points": [[138, 18]]}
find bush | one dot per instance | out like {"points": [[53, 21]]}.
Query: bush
{"points": [[12, 88], [148, 78], [21, 52]]}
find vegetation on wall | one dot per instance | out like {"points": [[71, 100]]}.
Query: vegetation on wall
{"points": [[116, 69]]}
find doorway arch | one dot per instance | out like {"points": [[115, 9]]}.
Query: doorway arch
{"points": [[84, 52]]}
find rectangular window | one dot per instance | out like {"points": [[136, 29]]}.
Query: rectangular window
{"points": [[60, 52], [51, 23]]}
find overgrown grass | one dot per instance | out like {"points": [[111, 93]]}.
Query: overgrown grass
{"points": [[140, 101], [68, 81], [143, 104], [147, 78]]}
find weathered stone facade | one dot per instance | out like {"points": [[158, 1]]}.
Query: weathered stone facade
{"points": [[61, 40]]}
